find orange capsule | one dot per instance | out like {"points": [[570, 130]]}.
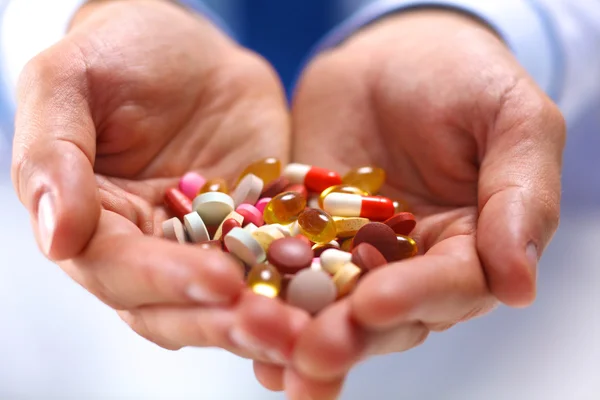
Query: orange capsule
{"points": [[177, 202], [375, 208], [314, 178]]}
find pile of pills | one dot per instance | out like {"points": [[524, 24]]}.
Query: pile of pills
{"points": [[305, 234]]}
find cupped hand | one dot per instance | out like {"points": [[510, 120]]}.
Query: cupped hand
{"points": [[469, 142], [138, 93]]}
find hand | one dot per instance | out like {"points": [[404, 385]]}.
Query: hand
{"points": [[469, 141], [138, 93]]}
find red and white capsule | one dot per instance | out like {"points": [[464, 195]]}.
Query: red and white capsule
{"points": [[314, 178], [375, 208]]}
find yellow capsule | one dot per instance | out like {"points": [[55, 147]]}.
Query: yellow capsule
{"points": [[267, 169], [284, 208], [370, 179], [316, 225], [347, 227], [340, 189], [400, 206], [215, 185], [408, 246], [265, 280]]}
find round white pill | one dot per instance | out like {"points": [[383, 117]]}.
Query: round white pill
{"points": [[213, 207], [332, 260], [311, 290], [248, 190], [196, 229], [241, 244], [173, 230]]}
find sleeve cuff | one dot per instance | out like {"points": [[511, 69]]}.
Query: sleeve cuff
{"points": [[522, 24]]}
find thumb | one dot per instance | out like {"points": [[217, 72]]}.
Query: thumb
{"points": [[519, 193], [53, 152]]}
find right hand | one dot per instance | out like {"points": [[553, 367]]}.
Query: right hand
{"points": [[136, 94]]}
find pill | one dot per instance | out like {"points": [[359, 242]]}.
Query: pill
{"points": [[248, 190], [316, 225], [266, 234], [173, 230], [340, 189], [290, 255], [375, 208], [408, 247], [346, 245], [213, 207], [212, 230], [267, 169], [313, 202], [285, 229], [241, 244], [300, 189], [311, 290], [284, 208], [178, 203], [211, 244], [382, 237], [251, 215], [285, 281], [250, 228], [319, 248], [402, 223], [314, 178], [262, 203], [345, 278], [369, 178], [332, 260], [367, 257], [191, 183], [316, 264], [215, 185], [275, 187], [196, 228], [218, 235], [348, 226], [229, 224], [265, 280], [302, 237]]}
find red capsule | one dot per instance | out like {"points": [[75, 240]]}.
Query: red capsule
{"points": [[177, 202], [298, 188], [314, 178]]}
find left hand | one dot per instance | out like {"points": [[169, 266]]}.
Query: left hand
{"points": [[469, 141]]}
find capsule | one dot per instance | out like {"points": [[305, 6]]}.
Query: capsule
{"points": [[215, 185], [284, 208], [267, 169], [314, 178], [265, 280], [340, 189], [375, 208], [178, 203], [370, 179], [317, 226], [408, 246]]}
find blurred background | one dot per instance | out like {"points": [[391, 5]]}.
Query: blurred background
{"points": [[58, 342]]}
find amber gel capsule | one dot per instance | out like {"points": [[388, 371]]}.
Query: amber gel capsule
{"points": [[267, 169], [215, 185], [369, 179], [284, 208], [317, 225], [264, 279]]}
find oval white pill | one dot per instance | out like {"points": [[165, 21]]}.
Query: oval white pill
{"points": [[248, 190], [213, 207], [173, 230], [195, 227], [332, 260], [241, 244], [311, 290]]}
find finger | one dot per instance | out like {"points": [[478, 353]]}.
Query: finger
{"points": [[269, 375], [268, 326], [330, 345], [127, 269], [298, 387], [54, 150], [440, 288], [519, 193]]}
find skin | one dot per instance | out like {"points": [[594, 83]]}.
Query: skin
{"points": [[146, 92]]}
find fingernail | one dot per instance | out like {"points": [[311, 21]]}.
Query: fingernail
{"points": [[198, 293], [276, 357], [245, 341], [532, 253], [46, 221]]}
